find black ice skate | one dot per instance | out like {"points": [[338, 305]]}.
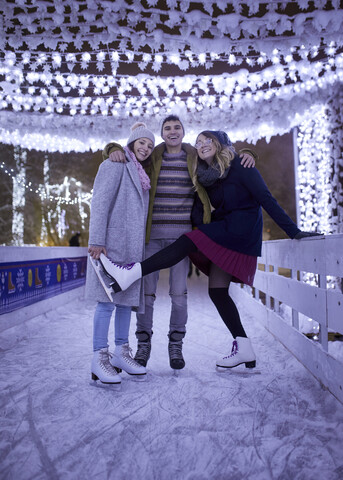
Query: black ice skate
{"points": [[176, 359], [143, 348]]}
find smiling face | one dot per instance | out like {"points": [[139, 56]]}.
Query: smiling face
{"points": [[172, 134], [142, 148], [206, 148]]}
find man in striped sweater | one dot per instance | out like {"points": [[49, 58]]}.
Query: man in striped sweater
{"points": [[169, 216]]}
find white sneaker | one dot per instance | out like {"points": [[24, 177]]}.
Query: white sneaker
{"points": [[241, 352], [101, 368], [122, 359], [124, 275]]}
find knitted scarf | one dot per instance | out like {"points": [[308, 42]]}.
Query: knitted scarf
{"points": [[207, 174], [143, 177]]}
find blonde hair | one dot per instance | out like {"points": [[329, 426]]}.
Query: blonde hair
{"points": [[221, 160]]}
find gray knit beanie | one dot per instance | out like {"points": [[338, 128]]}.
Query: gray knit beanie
{"points": [[222, 137], [140, 130]]}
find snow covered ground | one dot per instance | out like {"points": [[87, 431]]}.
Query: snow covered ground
{"points": [[274, 422]]}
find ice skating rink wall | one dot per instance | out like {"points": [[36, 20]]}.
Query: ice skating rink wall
{"points": [[35, 280], [301, 278]]}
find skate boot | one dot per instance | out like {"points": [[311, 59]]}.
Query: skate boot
{"points": [[122, 359], [143, 348], [175, 350], [241, 352], [124, 275], [105, 279], [101, 368]]}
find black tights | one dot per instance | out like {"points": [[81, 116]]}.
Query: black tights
{"points": [[227, 310], [169, 256], [224, 304]]}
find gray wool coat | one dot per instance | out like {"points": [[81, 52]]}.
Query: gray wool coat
{"points": [[118, 221]]}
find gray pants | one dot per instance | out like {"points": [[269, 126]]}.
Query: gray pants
{"points": [[177, 291]]}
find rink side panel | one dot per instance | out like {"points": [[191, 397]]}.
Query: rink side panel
{"points": [[34, 280]]}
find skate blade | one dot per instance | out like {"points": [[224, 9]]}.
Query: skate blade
{"points": [[137, 378], [106, 386], [176, 372], [239, 369], [102, 276]]}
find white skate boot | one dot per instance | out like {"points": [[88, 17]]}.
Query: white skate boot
{"points": [[124, 275], [122, 359], [241, 352], [102, 370], [103, 277]]}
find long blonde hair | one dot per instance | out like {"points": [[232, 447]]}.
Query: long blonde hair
{"points": [[222, 158]]}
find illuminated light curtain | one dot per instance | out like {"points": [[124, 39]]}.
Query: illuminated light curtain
{"points": [[320, 170]]}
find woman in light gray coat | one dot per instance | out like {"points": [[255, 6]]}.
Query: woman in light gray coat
{"points": [[117, 229]]}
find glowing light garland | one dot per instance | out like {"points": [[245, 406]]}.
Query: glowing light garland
{"points": [[286, 55], [44, 191], [185, 60]]}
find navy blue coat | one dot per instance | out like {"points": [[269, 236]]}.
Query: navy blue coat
{"points": [[237, 221]]}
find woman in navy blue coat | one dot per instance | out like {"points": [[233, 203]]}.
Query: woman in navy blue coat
{"points": [[226, 249]]}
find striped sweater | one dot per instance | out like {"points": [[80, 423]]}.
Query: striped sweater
{"points": [[171, 216]]}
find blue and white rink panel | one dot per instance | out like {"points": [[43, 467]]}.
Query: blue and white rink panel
{"points": [[34, 280]]}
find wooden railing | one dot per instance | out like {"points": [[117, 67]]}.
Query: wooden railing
{"points": [[306, 276]]}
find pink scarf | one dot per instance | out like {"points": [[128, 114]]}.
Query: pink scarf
{"points": [[143, 177]]}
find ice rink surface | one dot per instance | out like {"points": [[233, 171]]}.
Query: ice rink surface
{"points": [[274, 422]]}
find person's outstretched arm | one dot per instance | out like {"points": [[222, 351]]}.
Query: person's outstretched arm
{"points": [[254, 182]]}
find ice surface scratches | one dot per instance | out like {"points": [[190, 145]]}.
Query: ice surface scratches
{"points": [[277, 423]]}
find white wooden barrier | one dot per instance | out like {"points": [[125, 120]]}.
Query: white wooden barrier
{"points": [[322, 256]]}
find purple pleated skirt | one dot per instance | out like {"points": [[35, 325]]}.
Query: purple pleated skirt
{"points": [[242, 267]]}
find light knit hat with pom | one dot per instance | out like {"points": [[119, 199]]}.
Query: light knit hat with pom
{"points": [[140, 130]]}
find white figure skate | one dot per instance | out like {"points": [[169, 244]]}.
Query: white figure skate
{"points": [[102, 371], [122, 359], [123, 275], [105, 279]]}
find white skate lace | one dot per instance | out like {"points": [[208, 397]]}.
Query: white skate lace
{"points": [[104, 363], [127, 356], [234, 350]]}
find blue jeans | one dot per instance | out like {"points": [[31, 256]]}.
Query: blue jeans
{"points": [[177, 291], [101, 324]]}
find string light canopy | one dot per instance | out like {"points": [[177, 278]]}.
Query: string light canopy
{"points": [[76, 74]]}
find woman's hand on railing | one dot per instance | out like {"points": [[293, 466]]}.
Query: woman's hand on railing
{"points": [[301, 235]]}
